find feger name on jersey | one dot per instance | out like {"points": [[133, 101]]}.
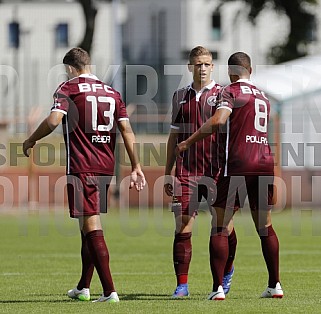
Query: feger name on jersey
{"points": [[256, 139], [100, 139]]}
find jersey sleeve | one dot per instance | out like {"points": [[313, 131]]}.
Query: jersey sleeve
{"points": [[61, 99], [121, 109], [176, 116], [225, 99]]}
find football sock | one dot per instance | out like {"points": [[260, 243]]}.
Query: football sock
{"points": [[232, 242], [270, 250], [219, 251], [87, 265], [182, 255], [100, 256]]}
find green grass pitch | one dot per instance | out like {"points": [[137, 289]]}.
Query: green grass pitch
{"points": [[39, 262]]}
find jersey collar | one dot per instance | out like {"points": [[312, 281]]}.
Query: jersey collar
{"points": [[89, 75], [244, 81], [208, 87]]}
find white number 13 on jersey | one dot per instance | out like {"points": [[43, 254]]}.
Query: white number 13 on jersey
{"points": [[260, 121], [107, 113]]}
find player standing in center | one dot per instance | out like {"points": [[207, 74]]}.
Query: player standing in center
{"points": [[196, 170], [242, 118]]}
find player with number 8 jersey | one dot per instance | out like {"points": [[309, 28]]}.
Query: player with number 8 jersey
{"points": [[92, 111], [241, 119], [245, 131]]}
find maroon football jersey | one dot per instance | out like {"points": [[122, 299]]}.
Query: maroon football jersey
{"points": [[92, 110], [243, 143], [190, 111]]}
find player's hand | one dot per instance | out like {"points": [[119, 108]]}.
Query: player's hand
{"points": [[168, 185], [27, 144], [182, 146], [137, 180]]}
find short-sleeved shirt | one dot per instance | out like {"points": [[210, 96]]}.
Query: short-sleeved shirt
{"points": [[91, 111], [190, 109], [243, 143]]}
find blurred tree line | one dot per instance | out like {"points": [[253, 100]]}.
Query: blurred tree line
{"points": [[299, 12], [90, 10], [302, 25]]}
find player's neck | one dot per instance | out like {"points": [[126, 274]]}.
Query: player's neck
{"points": [[84, 72], [235, 78], [200, 85], [76, 73]]}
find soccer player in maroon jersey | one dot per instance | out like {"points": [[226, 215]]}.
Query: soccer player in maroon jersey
{"points": [[90, 112], [242, 118], [196, 171]]}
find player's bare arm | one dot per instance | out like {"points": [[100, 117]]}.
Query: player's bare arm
{"points": [[46, 127], [137, 178], [210, 126], [170, 160]]}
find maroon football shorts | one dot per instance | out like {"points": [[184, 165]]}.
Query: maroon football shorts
{"points": [[232, 191], [87, 194], [188, 193]]}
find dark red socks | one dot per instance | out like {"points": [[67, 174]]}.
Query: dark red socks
{"points": [[219, 252], [232, 242], [182, 255], [100, 257], [270, 250], [87, 265]]}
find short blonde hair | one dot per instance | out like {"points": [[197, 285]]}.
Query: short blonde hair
{"points": [[199, 51]]}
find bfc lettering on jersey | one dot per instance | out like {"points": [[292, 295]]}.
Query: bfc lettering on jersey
{"points": [[100, 139], [252, 91], [94, 87], [256, 139], [244, 146], [92, 113]]}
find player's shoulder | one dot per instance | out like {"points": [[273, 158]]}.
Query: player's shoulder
{"points": [[216, 88], [63, 87], [236, 85], [236, 88], [181, 93], [182, 90], [227, 89], [70, 82], [70, 86]]}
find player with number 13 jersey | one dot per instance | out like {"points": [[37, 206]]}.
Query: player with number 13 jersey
{"points": [[86, 101], [245, 132]]}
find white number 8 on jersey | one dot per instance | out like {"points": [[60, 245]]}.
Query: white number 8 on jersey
{"points": [[260, 121]]}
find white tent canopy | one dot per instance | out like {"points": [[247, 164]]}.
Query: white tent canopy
{"points": [[290, 80], [294, 90]]}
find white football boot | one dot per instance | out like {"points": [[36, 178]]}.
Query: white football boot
{"points": [[112, 298], [82, 295], [276, 292]]}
